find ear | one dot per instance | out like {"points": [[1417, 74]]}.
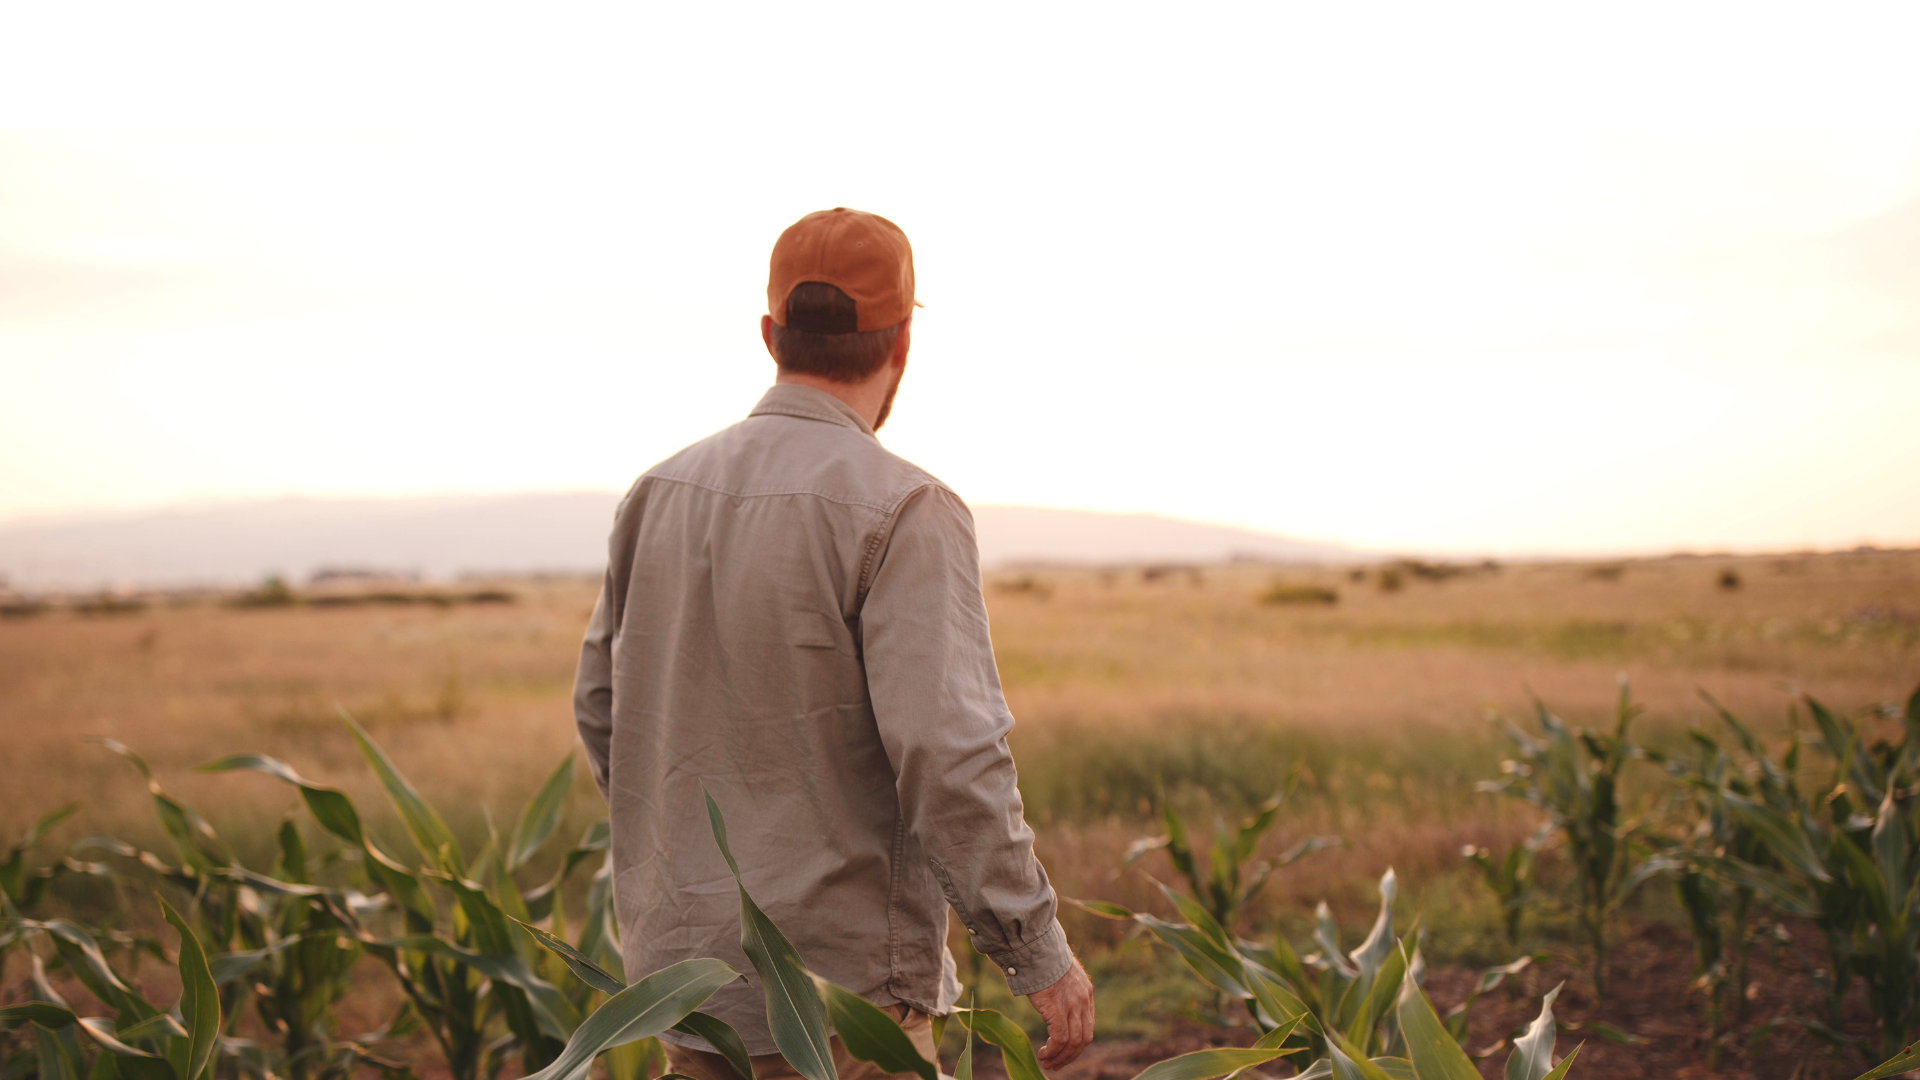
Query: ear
{"points": [[898, 358], [766, 335]]}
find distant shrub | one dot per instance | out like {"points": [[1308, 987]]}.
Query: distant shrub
{"points": [[273, 592], [108, 604], [1281, 592], [1730, 579], [1024, 585], [23, 608], [1391, 580], [1427, 571], [1609, 572], [1169, 571]]}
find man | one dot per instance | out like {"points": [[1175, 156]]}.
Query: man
{"points": [[792, 618]]}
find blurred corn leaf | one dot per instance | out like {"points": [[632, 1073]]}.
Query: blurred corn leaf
{"points": [[1532, 1057], [429, 833], [540, 816]]}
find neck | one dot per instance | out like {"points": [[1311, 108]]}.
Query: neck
{"points": [[868, 397]]}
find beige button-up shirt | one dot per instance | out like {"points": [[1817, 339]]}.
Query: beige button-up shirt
{"points": [[792, 617]]}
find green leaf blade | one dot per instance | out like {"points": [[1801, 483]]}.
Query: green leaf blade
{"points": [[1434, 1054], [795, 1014], [648, 1007], [720, 1035], [1205, 1064], [199, 997], [869, 1034], [1016, 1051], [429, 833], [540, 817]]}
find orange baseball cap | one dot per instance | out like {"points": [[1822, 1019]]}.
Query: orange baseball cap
{"points": [[863, 255]]}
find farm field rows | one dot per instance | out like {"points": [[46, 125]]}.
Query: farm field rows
{"points": [[1133, 688]]}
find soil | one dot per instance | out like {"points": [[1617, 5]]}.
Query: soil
{"points": [[1650, 999]]}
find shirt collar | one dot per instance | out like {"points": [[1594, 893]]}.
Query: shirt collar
{"points": [[792, 399]]}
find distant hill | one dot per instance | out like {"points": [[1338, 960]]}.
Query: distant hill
{"points": [[445, 536]]}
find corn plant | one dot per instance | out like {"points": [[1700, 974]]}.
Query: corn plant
{"points": [[1575, 777], [1510, 876], [1713, 837], [140, 1041], [1363, 1015], [1232, 873], [1843, 850]]}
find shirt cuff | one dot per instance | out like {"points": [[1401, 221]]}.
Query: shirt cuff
{"points": [[1037, 964]]}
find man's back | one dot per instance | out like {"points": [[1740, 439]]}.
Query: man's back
{"points": [[792, 618]]}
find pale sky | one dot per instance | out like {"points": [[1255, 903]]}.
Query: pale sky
{"points": [[1480, 279]]}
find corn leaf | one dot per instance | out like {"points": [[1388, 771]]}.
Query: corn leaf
{"points": [[963, 1065], [199, 998], [46, 1014], [641, 1011], [1016, 1052], [1373, 952], [1201, 919], [330, 806], [1532, 1057], [550, 1010], [540, 816], [1203, 1064], [1379, 1000], [1560, 1071], [795, 1014], [1434, 1054], [1219, 969], [1904, 1062], [1101, 908], [430, 834], [869, 1034], [720, 1035], [1349, 1063], [583, 968], [59, 1057], [100, 1030]]}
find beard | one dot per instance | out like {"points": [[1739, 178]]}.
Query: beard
{"points": [[886, 406]]}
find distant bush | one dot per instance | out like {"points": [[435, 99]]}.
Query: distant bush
{"points": [[273, 592], [108, 604], [1024, 585], [23, 608], [1391, 580], [1730, 579], [1281, 592]]}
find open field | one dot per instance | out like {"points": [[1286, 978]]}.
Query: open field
{"points": [[1122, 680]]}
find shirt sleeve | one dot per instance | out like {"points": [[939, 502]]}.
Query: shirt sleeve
{"points": [[936, 697], [593, 685], [593, 680]]}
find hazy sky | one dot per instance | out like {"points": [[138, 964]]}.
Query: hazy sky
{"points": [[1480, 279]]}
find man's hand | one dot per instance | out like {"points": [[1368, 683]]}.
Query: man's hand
{"points": [[1067, 1007]]}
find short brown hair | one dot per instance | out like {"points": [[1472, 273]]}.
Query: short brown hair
{"points": [[820, 336]]}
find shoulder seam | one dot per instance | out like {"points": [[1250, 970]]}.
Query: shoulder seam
{"points": [[817, 493], [884, 529]]}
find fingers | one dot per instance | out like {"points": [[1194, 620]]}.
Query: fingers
{"points": [[1069, 1013]]}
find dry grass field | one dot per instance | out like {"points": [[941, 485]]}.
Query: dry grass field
{"points": [[1208, 682]]}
